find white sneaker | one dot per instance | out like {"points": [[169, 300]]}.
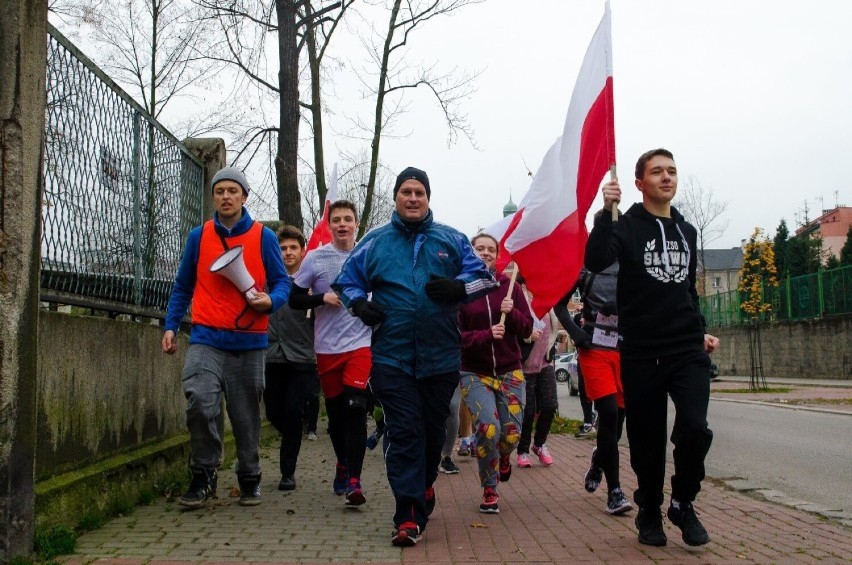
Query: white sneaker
{"points": [[312, 436]]}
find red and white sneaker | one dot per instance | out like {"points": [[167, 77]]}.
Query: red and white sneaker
{"points": [[524, 461], [543, 455], [490, 500], [406, 535], [505, 468]]}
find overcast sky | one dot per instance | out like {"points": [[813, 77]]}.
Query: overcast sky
{"points": [[753, 98]]}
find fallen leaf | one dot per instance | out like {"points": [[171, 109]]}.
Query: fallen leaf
{"points": [[478, 525]]}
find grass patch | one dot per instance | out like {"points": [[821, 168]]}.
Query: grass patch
{"points": [[562, 425], [771, 390], [58, 540]]}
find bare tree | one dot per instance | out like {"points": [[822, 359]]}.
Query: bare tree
{"points": [[317, 38], [700, 207], [352, 186], [245, 28], [154, 48], [394, 77]]}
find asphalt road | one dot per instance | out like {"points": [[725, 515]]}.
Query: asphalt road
{"points": [[803, 454]]}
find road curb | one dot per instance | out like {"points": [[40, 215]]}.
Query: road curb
{"points": [[754, 488], [783, 405]]}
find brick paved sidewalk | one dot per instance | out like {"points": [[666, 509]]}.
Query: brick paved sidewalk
{"points": [[545, 516]]}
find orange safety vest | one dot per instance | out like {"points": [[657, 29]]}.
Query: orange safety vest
{"points": [[216, 302]]}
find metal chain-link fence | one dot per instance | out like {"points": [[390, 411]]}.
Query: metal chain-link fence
{"points": [[120, 192], [825, 293]]}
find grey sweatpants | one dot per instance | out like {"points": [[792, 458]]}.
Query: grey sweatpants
{"points": [[452, 424], [209, 373]]}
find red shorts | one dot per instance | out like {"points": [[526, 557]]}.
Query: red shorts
{"points": [[337, 370], [601, 370]]}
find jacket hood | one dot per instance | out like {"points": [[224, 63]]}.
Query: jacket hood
{"points": [[639, 211]]}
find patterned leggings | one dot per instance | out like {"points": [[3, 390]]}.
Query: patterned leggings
{"points": [[497, 406]]}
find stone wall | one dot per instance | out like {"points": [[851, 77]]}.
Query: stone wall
{"points": [[807, 349], [111, 426], [105, 386]]}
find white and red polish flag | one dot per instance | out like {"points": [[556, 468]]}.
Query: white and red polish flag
{"points": [[322, 231], [547, 236]]}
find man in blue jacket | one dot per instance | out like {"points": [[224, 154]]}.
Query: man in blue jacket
{"points": [[227, 344], [417, 271]]}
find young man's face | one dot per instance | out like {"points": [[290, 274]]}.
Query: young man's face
{"points": [[659, 181], [411, 201], [343, 225], [487, 251], [292, 253], [228, 199]]}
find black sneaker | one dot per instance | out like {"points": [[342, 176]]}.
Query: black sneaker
{"points": [[200, 488], [594, 475], [617, 503], [585, 430], [649, 521], [692, 531], [287, 483], [448, 467], [249, 490], [406, 535]]}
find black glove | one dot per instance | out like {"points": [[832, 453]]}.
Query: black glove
{"points": [[369, 312], [445, 291]]}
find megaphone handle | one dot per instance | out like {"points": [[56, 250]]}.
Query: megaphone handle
{"points": [[250, 294]]}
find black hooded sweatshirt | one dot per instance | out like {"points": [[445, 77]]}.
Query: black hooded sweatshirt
{"points": [[657, 301]]}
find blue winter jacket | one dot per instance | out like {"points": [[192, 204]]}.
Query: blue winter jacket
{"points": [[277, 282], [419, 336]]}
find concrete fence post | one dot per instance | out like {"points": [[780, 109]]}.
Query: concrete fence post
{"points": [[23, 50], [211, 152]]}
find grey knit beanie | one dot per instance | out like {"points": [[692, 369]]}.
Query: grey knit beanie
{"points": [[234, 174]]}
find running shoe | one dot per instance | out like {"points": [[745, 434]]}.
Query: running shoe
{"points": [[354, 493], [505, 468], [543, 455], [406, 535], [490, 501], [617, 503], [448, 467]]}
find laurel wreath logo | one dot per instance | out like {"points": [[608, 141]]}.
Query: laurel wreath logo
{"points": [[660, 274]]}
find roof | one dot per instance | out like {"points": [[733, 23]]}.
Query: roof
{"points": [[722, 259]]}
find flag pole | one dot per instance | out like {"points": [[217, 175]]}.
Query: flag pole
{"points": [[511, 288], [612, 176]]}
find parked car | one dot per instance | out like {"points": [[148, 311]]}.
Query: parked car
{"points": [[566, 371], [714, 371]]}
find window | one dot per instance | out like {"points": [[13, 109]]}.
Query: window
{"points": [[717, 282]]}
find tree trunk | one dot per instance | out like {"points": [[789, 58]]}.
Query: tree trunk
{"points": [[286, 157], [316, 109], [377, 126]]}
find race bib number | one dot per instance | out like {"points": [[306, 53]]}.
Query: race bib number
{"points": [[605, 333]]}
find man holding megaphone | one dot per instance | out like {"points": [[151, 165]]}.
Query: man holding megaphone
{"points": [[226, 265]]}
